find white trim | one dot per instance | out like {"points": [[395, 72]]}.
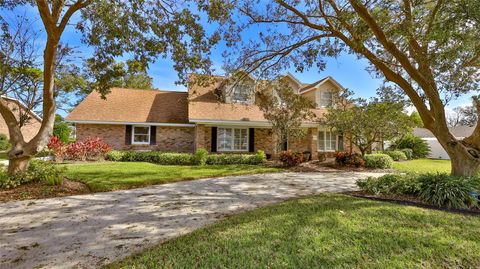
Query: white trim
{"points": [[24, 107], [132, 123], [233, 139], [321, 83], [324, 140], [294, 79], [244, 123], [133, 135]]}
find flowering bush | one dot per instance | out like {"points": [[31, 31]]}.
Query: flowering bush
{"points": [[290, 158], [58, 148], [90, 149], [349, 159]]}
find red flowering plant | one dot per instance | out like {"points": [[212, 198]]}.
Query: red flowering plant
{"points": [[58, 148], [90, 149], [291, 158]]}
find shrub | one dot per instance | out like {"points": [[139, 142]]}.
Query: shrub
{"points": [[349, 159], [165, 158], [260, 157], [378, 160], [440, 190], [225, 159], [91, 149], [115, 155], [4, 143], [408, 153], [291, 158], [396, 155], [201, 156], [445, 190], [58, 148], [419, 147], [47, 172], [62, 131], [390, 184], [38, 171]]}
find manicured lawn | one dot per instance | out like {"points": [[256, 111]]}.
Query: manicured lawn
{"points": [[423, 166], [324, 231], [109, 176]]}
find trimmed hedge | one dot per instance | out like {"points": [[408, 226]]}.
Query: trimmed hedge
{"points": [[378, 160], [441, 189], [396, 155], [222, 159], [165, 158], [201, 157]]}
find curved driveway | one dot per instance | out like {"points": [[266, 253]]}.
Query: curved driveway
{"points": [[91, 230]]}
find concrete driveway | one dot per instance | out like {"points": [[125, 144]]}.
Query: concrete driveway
{"points": [[92, 230]]}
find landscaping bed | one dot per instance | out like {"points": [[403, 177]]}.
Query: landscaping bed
{"points": [[324, 231], [40, 190], [412, 201]]}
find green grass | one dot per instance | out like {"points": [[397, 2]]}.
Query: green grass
{"points": [[109, 176], [3, 155], [324, 231], [423, 166]]}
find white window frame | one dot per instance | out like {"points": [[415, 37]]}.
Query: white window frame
{"points": [[232, 143], [247, 94], [133, 135], [321, 93], [324, 141]]}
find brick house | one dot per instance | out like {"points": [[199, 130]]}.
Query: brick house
{"points": [[220, 117], [32, 124]]}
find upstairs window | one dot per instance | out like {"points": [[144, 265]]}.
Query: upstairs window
{"points": [[326, 98], [241, 93]]}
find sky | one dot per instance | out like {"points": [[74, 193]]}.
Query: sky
{"points": [[347, 69]]}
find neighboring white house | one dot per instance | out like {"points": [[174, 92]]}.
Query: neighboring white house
{"points": [[437, 151]]}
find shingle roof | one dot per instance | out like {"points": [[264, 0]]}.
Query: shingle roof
{"points": [[457, 131], [132, 105]]}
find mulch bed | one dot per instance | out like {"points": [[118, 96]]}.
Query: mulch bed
{"points": [[412, 201], [40, 190]]}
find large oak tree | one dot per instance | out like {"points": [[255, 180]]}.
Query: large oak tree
{"points": [[430, 50], [142, 30]]}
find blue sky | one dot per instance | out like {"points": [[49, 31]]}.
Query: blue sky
{"points": [[347, 69]]}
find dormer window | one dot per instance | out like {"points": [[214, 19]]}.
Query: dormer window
{"points": [[326, 98], [241, 93]]}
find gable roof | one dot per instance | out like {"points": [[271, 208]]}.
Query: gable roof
{"points": [[317, 84], [204, 106], [133, 106], [457, 131], [23, 106]]}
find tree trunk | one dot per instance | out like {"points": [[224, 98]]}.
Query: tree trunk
{"points": [[465, 158], [463, 164], [18, 165]]}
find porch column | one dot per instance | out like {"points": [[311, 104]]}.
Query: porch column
{"points": [[312, 137], [200, 137]]}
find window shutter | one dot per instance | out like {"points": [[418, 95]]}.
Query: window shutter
{"points": [[128, 134], [213, 141], [251, 139], [153, 135]]}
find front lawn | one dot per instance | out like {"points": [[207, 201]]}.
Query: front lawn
{"points": [[324, 231], [423, 166], [109, 176]]}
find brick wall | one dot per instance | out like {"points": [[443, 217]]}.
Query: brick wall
{"points": [[174, 139]]}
